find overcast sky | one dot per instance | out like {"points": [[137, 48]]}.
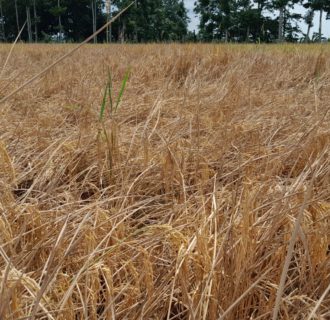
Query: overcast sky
{"points": [[326, 23]]}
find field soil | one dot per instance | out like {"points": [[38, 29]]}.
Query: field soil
{"points": [[203, 194]]}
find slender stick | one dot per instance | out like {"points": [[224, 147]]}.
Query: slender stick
{"points": [[319, 302], [290, 250], [11, 50], [65, 56]]}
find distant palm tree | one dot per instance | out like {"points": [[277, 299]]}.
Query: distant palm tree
{"points": [[309, 16], [35, 18], [17, 18], [281, 24], [318, 5], [94, 12], [108, 12], [28, 20], [320, 23], [60, 28]]}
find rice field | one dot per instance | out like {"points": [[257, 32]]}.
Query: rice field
{"points": [[165, 182]]}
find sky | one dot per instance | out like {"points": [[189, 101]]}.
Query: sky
{"points": [[326, 23]]}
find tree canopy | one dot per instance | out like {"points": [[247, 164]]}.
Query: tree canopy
{"points": [[160, 20], [256, 20], [74, 20]]}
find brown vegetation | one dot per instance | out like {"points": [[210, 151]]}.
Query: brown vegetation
{"points": [[210, 183]]}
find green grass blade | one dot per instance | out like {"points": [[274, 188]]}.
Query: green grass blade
{"points": [[103, 105], [110, 90], [122, 89]]}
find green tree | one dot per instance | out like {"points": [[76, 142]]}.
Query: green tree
{"points": [[284, 7], [58, 10], [321, 6], [151, 21], [308, 18], [235, 20], [265, 24], [246, 21], [175, 21], [215, 18]]}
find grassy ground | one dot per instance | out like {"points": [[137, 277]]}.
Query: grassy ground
{"points": [[205, 196]]}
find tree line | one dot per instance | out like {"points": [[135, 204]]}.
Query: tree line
{"points": [[75, 20], [259, 20], [160, 20]]}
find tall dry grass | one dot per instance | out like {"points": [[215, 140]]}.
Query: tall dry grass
{"points": [[211, 199]]}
